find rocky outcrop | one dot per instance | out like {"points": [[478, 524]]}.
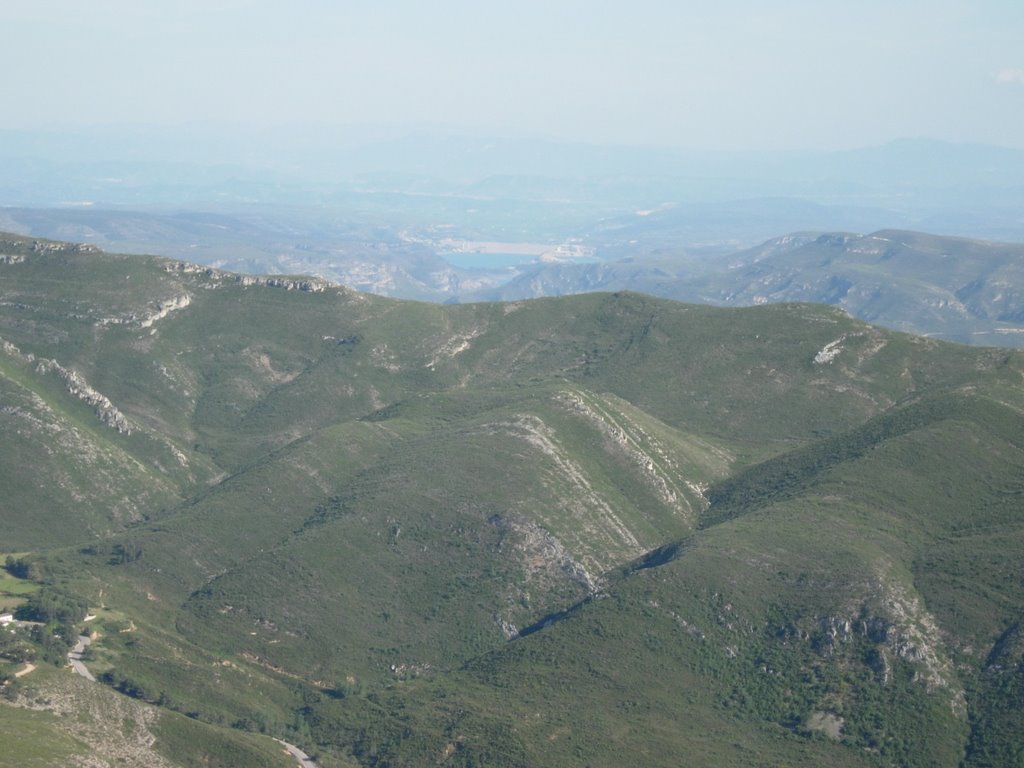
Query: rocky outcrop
{"points": [[47, 246], [547, 568], [303, 284], [162, 310], [455, 345], [888, 628], [12, 249], [79, 387], [830, 351], [187, 268], [542, 554], [602, 538], [904, 633], [643, 451], [306, 284], [165, 308], [913, 635], [13, 351]]}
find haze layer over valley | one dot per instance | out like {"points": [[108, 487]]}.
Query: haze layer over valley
{"points": [[459, 219]]}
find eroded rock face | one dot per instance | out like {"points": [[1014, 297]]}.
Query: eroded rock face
{"points": [[652, 461], [80, 388], [164, 308], [14, 248], [307, 285], [914, 636], [42, 246], [897, 628], [542, 556], [161, 310], [18, 250], [112, 729], [903, 632], [304, 284], [597, 520], [546, 565]]}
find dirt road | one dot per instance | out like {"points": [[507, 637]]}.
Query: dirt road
{"points": [[75, 657]]}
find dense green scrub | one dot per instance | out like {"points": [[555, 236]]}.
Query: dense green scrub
{"points": [[597, 530]]}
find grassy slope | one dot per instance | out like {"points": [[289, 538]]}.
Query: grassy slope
{"points": [[825, 600], [951, 287], [53, 717], [353, 436]]}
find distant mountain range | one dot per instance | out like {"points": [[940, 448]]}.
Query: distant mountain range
{"points": [[949, 287], [605, 529], [953, 288], [383, 212]]}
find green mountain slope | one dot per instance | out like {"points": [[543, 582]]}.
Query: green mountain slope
{"points": [[581, 531], [55, 719], [955, 288], [829, 623]]}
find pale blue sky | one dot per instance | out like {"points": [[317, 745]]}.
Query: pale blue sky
{"points": [[731, 74]]}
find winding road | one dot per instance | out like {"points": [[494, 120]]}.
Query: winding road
{"points": [[304, 760], [75, 657]]}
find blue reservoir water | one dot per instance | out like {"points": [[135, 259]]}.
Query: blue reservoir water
{"points": [[469, 260]]}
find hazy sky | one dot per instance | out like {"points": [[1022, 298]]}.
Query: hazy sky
{"points": [[718, 74]]}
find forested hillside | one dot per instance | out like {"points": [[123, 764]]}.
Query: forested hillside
{"points": [[596, 530]]}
